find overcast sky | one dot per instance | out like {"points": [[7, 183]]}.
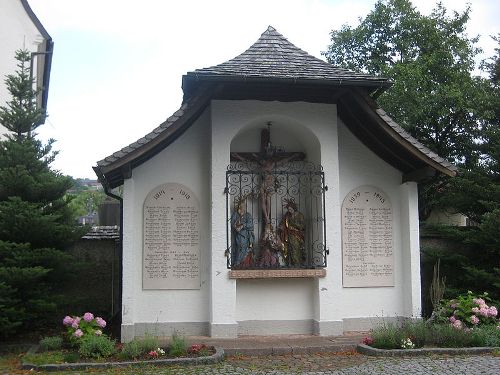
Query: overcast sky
{"points": [[117, 64]]}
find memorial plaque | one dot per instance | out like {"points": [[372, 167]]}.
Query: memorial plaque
{"points": [[367, 243], [171, 239]]}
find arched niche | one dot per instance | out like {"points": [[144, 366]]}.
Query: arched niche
{"points": [[265, 192], [286, 133]]}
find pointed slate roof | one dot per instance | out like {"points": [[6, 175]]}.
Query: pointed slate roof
{"points": [[273, 57], [274, 69]]}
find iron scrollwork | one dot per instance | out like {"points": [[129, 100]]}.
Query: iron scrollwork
{"points": [[275, 217]]}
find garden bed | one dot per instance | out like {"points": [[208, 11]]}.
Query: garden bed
{"points": [[368, 350], [214, 355]]}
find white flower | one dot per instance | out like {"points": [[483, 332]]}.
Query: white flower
{"points": [[407, 344]]}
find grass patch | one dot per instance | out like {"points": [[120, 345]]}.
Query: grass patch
{"points": [[420, 334], [44, 358]]}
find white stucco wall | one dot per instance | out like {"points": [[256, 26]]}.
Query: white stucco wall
{"points": [[17, 31], [186, 161], [225, 307], [306, 127], [360, 166]]}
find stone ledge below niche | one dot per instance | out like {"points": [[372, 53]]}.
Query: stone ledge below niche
{"points": [[275, 274]]}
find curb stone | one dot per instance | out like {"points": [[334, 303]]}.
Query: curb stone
{"points": [[215, 358], [368, 350]]}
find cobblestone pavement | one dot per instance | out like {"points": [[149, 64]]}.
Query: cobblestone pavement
{"points": [[346, 363], [341, 364]]}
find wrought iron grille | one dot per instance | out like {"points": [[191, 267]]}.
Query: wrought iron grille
{"points": [[275, 218]]}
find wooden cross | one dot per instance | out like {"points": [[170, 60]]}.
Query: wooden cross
{"points": [[268, 154], [267, 159]]}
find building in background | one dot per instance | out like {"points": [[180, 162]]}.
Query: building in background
{"points": [[21, 29]]}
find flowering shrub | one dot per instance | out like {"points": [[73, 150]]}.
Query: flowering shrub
{"points": [[81, 327], [368, 340], [156, 353], [468, 311], [407, 344]]}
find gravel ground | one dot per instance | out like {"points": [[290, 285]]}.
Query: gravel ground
{"points": [[313, 364]]}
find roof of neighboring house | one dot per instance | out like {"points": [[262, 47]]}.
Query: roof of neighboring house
{"points": [[275, 69], [46, 54], [111, 232]]}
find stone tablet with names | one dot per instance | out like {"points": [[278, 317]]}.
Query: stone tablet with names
{"points": [[367, 242], [171, 239]]}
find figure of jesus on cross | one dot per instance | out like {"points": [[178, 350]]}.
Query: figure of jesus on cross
{"points": [[267, 160]]}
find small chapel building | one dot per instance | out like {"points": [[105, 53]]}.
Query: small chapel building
{"points": [[279, 199]]}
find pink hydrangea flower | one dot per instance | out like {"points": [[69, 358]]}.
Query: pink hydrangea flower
{"points": [[474, 319], [457, 324], [484, 312], [78, 333], [475, 310], [68, 320], [88, 316], [100, 322], [76, 322], [478, 301], [452, 319], [98, 332], [492, 311]]}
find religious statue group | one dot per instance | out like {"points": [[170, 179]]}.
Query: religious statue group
{"points": [[283, 246], [280, 247]]}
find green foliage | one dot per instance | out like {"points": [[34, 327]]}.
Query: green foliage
{"points": [[51, 343], [178, 346], [149, 343], [387, 336], [470, 262], [435, 95], [44, 358], [486, 336], [390, 336], [439, 100], [445, 336], [139, 347], [86, 201], [131, 350], [468, 310], [21, 115], [430, 59], [97, 347], [36, 223]]}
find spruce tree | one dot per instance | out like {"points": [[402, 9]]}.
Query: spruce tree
{"points": [[36, 223]]}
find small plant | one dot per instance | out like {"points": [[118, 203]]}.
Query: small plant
{"points": [[486, 336], [149, 343], [71, 357], [199, 350], [158, 352], [86, 325], [131, 350], [417, 331], [178, 346], [97, 347], [51, 343], [387, 336], [407, 344], [447, 336], [140, 347], [437, 288], [368, 340]]}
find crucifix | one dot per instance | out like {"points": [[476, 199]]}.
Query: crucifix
{"points": [[267, 159]]}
